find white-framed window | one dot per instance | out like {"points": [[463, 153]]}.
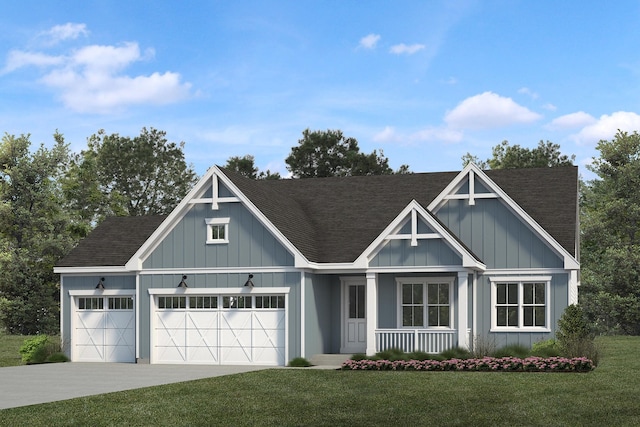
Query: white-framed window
{"points": [[217, 230], [520, 303], [425, 302]]}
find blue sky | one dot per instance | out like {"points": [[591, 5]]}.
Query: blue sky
{"points": [[424, 81]]}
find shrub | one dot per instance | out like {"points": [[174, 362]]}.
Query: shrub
{"points": [[359, 356], [299, 362], [37, 349], [512, 350], [483, 346], [391, 354], [57, 358], [456, 353], [574, 336], [546, 348], [420, 355]]}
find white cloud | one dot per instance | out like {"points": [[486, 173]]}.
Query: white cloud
{"points": [[91, 79], [571, 121], [369, 41], [18, 59], [402, 48], [607, 126], [488, 110], [529, 92], [550, 107], [59, 33], [429, 134]]}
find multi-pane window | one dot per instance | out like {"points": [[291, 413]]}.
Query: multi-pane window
{"points": [[90, 303], [270, 301], [236, 302], [172, 302], [357, 302], [120, 303], [217, 230], [426, 302], [520, 303], [203, 302]]}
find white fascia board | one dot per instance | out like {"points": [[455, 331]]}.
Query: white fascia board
{"points": [[468, 260], [300, 260], [135, 263], [110, 270], [570, 262], [218, 291]]}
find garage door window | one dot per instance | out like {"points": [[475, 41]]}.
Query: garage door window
{"points": [[172, 302], [120, 303], [203, 302], [270, 301], [90, 303], [236, 302]]}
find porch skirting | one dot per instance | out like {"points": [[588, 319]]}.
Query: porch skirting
{"points": [[410, 340]]}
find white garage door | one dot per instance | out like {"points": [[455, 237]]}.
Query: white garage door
{"points": [[104, 329], [220, 329]]}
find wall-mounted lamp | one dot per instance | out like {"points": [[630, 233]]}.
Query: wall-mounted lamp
{"points": [[182, 283], [249, 282], [100, 284]]}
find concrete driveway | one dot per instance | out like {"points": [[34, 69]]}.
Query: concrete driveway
{"points": [[33, 384]]}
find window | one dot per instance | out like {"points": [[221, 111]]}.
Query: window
{"points": [[90, 303], [217, 230], [203, 302], [120, 303], [172, 302], [236, 302], [425, 302], [520, 303], [270, 301]]}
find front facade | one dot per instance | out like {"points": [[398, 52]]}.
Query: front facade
{"points": [[261, 272]]}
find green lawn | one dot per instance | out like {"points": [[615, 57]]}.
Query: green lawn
{"points": [[607, 396], [9, 349]]}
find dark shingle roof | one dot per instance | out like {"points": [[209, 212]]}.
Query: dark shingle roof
{"points": [[333, 220], [113, 242]]}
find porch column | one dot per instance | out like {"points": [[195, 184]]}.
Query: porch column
{"points": [[372, 312], [463, 309]]}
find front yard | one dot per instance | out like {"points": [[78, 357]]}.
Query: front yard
{"points": [[280, 397]]}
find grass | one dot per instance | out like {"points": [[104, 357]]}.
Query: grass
{"points": [[283, 397], [9, 346]]}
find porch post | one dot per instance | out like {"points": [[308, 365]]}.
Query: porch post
{"points": [[372, 312], [463, 309]]}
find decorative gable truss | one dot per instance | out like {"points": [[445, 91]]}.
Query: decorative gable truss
{"points": [[472, 184], [409, 220]]}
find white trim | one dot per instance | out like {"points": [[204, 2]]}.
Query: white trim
{"points": [[215, 222], [371, 311], [345, 282], [101, 292], [520, 280], [424, 281], [525, 271], [92, 271], [570, 261], [219, 291], [463, 310], [137, 317], [222, 270], [303, 347], [468, 260], [62, 298]]}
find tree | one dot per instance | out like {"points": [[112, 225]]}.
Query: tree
{"points": [[329, 153], [246, 166], [34, 233], [610, 208], [505, 156], [118, 175]]}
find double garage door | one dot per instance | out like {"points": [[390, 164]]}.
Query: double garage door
{"points": [[219, 329], [104, 329]]}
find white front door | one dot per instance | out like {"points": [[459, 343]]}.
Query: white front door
{"points": [[354, 320]]}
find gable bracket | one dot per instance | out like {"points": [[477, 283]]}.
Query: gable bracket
{"points": [[414, 236], [215, 200]]}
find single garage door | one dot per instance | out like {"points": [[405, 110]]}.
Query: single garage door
{"points": [[104, 329], [220, 329]]}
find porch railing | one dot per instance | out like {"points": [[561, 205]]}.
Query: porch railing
{"points": [[409, 340]]}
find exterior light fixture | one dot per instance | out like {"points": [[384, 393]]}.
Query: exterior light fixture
{"points": [[182, 283], [100, 284], [249, 282]]}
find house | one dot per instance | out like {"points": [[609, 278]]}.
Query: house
{"points": [[261, 271]]}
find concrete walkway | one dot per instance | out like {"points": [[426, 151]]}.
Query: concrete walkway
{"points": [[34, 384]]}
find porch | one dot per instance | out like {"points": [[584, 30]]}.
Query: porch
{"points": [[410, 340]]}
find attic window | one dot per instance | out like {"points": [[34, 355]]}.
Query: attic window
{"points": [[217, 230]]}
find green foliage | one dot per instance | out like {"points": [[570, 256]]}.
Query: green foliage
{"points": [[456, 353], [246, 166], [35, 231], [329, 153], [33, 350], [505, 156], [359, 356], [546, 348], [513, 350], [57, 357], [299, 362], [118, 175], [391, 354], [610, 214], [483, 346], [574, 336]]}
